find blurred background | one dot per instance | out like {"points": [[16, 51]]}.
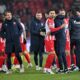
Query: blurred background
{"points": [[25, 9]]}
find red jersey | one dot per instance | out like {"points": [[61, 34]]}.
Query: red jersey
{"points": [[2, 45], [2, 42], [50, 26], [67, 34], [49, 23], [49, 39], [67, 29]]}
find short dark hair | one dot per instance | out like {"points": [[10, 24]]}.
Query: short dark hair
{"points": [[52, 9]]}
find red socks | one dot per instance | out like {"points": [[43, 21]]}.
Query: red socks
{"points": [[68, 59], [15, 61], [49, 60], [27, 56], [2, 58]]}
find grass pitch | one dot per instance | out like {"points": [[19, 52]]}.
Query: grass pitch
{"points": [[32, 74]]}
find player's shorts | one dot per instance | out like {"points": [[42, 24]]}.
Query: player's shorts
{"points": [[49, 45], [67, 45], [23, 46]]}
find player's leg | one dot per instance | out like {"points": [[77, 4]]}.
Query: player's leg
{"points": [[26, 54], [1, 62], [48, 63], [49, 45], [68, 57], [20, 61]]}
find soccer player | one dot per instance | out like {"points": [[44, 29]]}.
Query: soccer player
{"points": [[49, 40], [67, 49], [3, 56], [23, 46]]}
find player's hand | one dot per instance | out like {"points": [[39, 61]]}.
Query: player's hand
{"points": [[48, 33], [63, 25], [42, 33]]}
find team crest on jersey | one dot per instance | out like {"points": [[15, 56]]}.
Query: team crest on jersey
{"points": [[52, 24], [14, 23], [36, 24]]}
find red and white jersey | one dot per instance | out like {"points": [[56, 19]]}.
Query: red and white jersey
{"points": [[49, 39], [49, 23], [49, 44], [50, 26], [66, 20], [22, 35], [67, 29], [2, 41]]}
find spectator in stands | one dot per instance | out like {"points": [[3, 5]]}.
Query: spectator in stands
{"points": [[2, 8]]}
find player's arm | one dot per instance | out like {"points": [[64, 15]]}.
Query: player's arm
{"points": [[24, 35], [78, 22], [56, 29], [20, 28], [53, 29], [24, 31]]}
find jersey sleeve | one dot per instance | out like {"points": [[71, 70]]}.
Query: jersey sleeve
{"points": [[55, 29], [52, 27]]}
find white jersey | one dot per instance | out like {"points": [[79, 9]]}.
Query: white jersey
{"points": [[46, 27], [22, 35]]}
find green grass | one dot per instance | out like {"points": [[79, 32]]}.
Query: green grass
{"points": [[32, 74]]}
